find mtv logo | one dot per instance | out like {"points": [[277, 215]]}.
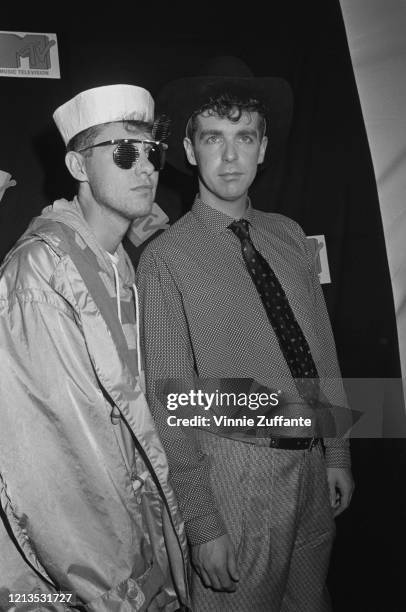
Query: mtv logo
{"points": [[36, 47]]}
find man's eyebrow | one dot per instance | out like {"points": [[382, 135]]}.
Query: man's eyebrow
{"points": [[247, 132], [242, 132], [209, 132]]}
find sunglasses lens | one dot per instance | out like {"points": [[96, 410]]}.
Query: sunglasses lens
{"points": [[125, 154], [156, 156]]}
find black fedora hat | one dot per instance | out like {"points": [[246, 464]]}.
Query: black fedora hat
{"points": [[179, 99]]}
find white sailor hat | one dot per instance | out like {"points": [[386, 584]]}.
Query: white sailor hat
{"points": [[103, 105]]}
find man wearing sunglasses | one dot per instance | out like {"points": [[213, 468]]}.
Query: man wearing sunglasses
{"points": [[88, 516]]}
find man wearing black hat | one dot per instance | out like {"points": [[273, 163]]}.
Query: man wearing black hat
{"points": [[231, 293]]}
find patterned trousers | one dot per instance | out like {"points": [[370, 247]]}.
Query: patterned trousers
{"points": [[275, 504]]}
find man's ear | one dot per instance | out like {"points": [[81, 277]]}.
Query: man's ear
{"points": [[75, 163], [190, 152], [262, 149]]}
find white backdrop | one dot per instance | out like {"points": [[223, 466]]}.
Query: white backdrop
{"points": [[376, 32]]}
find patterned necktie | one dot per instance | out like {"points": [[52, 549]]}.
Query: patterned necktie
{"points": [[291, 339]]}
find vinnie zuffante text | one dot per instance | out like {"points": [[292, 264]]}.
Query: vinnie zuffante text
{"points": [[213, 401]]}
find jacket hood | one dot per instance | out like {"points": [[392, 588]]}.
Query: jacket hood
{"points": [[70, 214]]}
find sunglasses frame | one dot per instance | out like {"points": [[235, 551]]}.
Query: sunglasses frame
{"points": [[118, 141]]}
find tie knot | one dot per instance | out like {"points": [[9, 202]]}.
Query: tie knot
{"points": [[240, 228]]}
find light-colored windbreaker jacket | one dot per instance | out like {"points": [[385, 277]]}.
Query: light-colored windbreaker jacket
{"points": [[85, 503]]}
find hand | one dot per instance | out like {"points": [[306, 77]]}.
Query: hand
{"points": [[341, 486], [216, 565]]}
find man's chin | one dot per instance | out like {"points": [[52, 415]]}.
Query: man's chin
{"points": [[142, 209], [233, 197]]}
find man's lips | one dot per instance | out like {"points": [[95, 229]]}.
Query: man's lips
{"points": [[141, 188], [230, 176]]}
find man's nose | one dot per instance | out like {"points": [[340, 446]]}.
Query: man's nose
{"points": [[229, 151], [143, 164]]}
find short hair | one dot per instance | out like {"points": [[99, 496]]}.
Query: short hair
{"points": [[86, 138], [225, 106]]}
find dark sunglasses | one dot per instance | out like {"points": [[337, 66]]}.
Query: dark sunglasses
{"points": [[126, 153]]}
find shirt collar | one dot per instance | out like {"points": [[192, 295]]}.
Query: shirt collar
{"points": [[215, 220]]}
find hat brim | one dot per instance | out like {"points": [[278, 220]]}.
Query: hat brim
{"points": [[180, 98]]}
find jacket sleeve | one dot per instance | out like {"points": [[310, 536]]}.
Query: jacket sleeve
{"points": [[57, 447], [168, 356]]}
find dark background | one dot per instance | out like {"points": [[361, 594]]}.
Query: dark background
{"points": [[324, 180]]}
